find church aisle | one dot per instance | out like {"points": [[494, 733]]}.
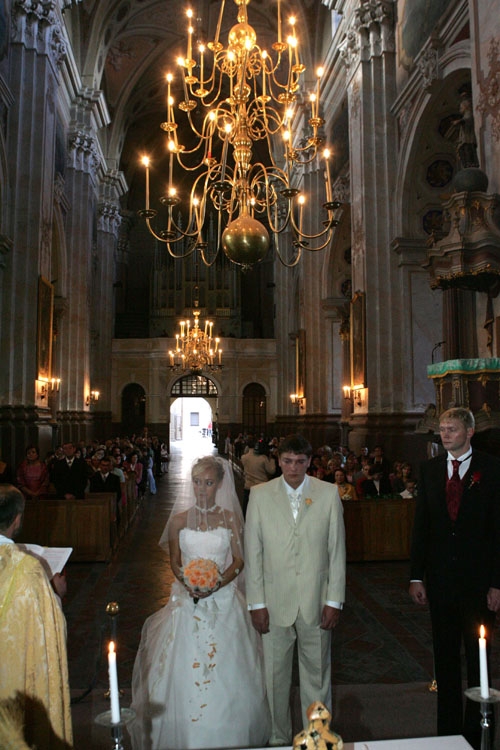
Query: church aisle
{"points": [[381, 651]]}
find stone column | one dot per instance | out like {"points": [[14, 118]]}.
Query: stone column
{"points": [[81, 191], [36, 51], [102, 291], [369, 56]]}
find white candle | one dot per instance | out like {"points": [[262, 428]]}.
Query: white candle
{"points": [[483, 665], [113, 685]]}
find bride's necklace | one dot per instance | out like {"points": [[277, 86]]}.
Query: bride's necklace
{"points": [[206, 510]]}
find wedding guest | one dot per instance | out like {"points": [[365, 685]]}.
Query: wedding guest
{"points": [[197, 680], [32, 474], [33, 670], [69, 474], [134, 467], [346, 490], [455, 564]]}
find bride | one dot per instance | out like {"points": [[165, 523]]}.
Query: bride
{"points": [[198, 678]]}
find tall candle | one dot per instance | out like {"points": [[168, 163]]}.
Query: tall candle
{"points": [[145, 161], [113, 685], [483, 665]]}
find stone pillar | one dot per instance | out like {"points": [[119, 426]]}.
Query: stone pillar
{"points": [[102, 291], [369, 55], [36, 52], [81, 230]]}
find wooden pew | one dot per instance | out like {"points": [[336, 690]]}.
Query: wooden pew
{"points": [[378, 529], [89, 525]]}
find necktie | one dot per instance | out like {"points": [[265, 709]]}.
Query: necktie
{"points": [[454, 490], [295, 503]]}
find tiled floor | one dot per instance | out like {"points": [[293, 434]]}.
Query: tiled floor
{"points": [[382, 637]]}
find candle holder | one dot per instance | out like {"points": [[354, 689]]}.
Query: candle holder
{"points": [[104, 720], [486, 708]]}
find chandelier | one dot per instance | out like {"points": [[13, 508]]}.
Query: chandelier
{"points": [[196, 349], [249, 100]]}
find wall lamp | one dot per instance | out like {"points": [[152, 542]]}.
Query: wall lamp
{"points": [[353, 393], [297, 400], [92, 398], [46, 386]]}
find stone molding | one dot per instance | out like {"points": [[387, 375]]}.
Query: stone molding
{"points": [[108, 217], [371, 33], [34, 23], [83, 155]]}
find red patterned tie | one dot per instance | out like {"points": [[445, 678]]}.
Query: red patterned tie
{"points": [[454, 490]]}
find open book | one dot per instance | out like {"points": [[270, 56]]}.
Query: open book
{"points": [[53, 559]]}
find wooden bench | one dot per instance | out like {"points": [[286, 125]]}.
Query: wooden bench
{"points": [[378, 529], [89, 525]]}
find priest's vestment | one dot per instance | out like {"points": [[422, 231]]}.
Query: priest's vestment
{"points": [[33, 666]]}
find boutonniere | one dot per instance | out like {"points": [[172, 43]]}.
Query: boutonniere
{"points": [[476, 478], [308, 501]]}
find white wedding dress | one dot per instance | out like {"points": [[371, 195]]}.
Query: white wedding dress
{"points": [[198, 678]]}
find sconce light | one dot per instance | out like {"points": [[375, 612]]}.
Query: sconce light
{"points": [[347, 392], [356, 394], [45, 387], [297, 400], [92, 398]]}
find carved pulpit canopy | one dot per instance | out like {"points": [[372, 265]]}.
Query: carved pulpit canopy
{"points": [[468, 257]]}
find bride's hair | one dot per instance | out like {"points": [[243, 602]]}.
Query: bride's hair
{"points": [[208, 462]]}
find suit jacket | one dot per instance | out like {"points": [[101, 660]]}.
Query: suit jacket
{"points": [[292, 565], [69, 480], [461, 558], [110, 484]]}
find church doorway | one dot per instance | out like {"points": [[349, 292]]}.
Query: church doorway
{"points": [[193, 412], [133, 409], [254, 409]]}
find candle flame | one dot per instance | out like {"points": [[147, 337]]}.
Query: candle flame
{"points": [[482, 631], [111, 647]]}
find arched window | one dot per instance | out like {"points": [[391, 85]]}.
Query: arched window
{"points": [[194, 385], [254, 409]]}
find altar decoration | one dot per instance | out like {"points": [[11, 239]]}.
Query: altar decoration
{"points": [[318, 735]]}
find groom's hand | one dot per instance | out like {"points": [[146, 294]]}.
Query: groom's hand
{"points": [[329, 617], [260, 620]]}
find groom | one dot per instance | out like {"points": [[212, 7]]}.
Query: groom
{"points": [[295, 579]]}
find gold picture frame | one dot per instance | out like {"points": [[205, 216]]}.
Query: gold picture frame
{"points": [[358, 343], [44, 330]]}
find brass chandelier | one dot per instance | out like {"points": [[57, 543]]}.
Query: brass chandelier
{"points": [[196, 349], [247, 96]]}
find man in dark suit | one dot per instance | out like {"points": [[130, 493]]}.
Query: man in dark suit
{"points": [[105, 481], [69, 474], [456, 551]]}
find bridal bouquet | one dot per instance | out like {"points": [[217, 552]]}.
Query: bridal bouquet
{"points": [[201, 576]]}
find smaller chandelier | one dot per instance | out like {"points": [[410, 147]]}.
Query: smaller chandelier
{"points": [[196, 349]]}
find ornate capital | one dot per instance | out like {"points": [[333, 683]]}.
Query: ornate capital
{"points": [[82, 153], [374, 22], [35, 24], [109, 218]]}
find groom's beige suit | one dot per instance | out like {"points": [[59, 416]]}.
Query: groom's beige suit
{"points": [[294, 567]]}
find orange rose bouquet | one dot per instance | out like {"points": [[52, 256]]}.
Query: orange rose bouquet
{"points": [[201, 576]]}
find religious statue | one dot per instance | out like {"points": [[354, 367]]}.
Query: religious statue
{"points": [[318, 735], [462, 132]]}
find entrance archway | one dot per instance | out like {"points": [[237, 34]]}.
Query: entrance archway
{"points": [[193, 409]]}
